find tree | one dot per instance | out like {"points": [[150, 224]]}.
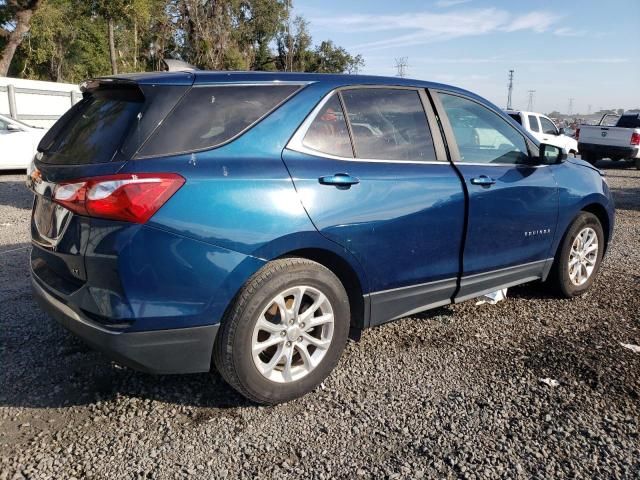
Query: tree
{"points": [[329, 58], [111, 11], [15, 20], [71, 40]]}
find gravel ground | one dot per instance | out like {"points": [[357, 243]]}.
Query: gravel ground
{"points": [[455, 392]]}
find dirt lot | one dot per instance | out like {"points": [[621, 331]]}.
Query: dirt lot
{"points": [[451, 393]]}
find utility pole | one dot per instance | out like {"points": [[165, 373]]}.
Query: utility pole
{"points": [[589, 110], [510, 90], [401, 67], [570, 110], [530, 104]]}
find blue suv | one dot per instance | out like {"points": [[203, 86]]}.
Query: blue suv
{"points": [[253, 220]]}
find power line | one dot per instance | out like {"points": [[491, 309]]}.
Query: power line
{"points": [[510, 90], [530, 104], [401, 66]]}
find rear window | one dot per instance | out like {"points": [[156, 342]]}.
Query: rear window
{"points": [[94, 129], [516, 117], [629, 121], [209, 116]]}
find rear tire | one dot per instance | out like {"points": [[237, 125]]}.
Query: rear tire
{"points": [[578, 259], [638, 163], [271, 309]]}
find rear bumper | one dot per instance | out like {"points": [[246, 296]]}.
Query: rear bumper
{"points": [[180, 350], [608, 151]]}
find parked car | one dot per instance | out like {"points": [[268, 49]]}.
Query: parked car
{"points": [[617, 143], [545, 130], [18, 142], [181, 218]]}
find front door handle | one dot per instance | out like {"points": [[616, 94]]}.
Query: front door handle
{"points": [[483, 180], [339, 180]]}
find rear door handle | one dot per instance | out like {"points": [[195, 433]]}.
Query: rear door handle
{"points": [[483, 180], [339, 180]]}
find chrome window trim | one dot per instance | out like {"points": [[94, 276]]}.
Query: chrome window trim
{"points": [[296, 142]]}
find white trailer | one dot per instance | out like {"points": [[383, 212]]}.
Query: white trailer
{"points": [[36, 102]]}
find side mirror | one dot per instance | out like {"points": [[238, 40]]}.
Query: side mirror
{"points": [[561, 131], [13, 128], [551, 155]]}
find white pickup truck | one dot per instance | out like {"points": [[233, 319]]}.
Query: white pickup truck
{"points": [[621, 141], [543, 128]]}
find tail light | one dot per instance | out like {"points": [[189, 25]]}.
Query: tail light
{"points": [[127, 197], [635, 138], [577, 133]]}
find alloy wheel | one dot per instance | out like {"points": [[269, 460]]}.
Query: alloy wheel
{"points": [[583, 256], [292, 334]]}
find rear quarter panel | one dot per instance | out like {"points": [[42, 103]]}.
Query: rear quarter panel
{"points": [[240, 199]]}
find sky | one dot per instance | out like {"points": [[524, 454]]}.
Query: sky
{"points": [[588, 50]]}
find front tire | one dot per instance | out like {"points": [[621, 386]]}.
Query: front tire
{"points": [[285, 331], [590, 158], [578, 259]]}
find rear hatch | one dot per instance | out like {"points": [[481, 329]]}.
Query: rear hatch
{"points": [[94, 138]]}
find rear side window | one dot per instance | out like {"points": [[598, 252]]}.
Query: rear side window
{"points": [[95, 128], [388, 124], [534, 125], [328, 132], [209, 116]]}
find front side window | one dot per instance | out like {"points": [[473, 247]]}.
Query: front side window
{"points": [[533, 123], [482, 135], [548, 127], [208, 116], [328, 132], [388, 124]]}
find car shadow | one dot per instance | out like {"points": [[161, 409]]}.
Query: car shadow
{"points": [[15, 194]]}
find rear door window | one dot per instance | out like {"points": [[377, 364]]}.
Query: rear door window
{"points": [[388, 124], [328, 132], [209, 116], [534, 125]]}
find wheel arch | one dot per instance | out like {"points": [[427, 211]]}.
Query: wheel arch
{"points": [[601, 214], [347, 276]]}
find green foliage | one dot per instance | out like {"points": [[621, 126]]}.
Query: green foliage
{"points": [[68, 39]]}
